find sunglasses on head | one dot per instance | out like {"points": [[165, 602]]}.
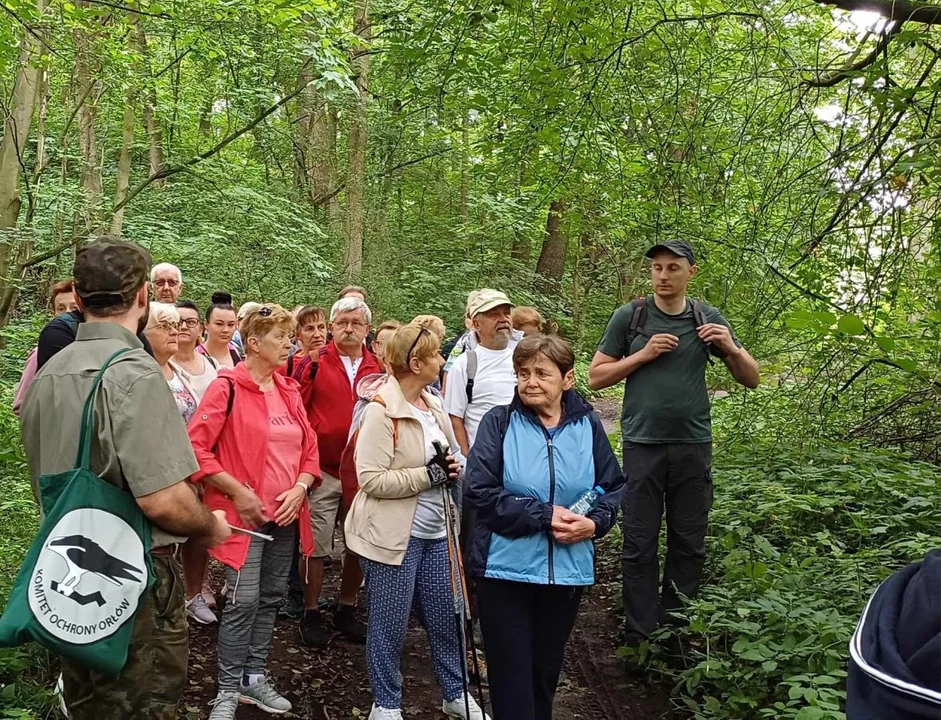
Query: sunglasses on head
{"points": [[421, 332]]}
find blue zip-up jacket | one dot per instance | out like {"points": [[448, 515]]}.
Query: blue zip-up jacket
{"points": [[895, 653], [516, 472]]}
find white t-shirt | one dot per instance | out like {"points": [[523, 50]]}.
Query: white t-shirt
{"points": [[199, 383], [429, 522], [352, 366], [494, 384]]}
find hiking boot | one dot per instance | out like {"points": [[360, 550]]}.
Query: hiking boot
{"points": [[312, 632], [455, 709], [349, 626], [224, 706], [197, 609], [378, 713], [264, 696], [208, 595]]}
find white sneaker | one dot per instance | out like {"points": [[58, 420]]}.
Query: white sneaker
{"points": [[455, 709], [197, 609], [224, 706], [378, 713], [263, 695]]}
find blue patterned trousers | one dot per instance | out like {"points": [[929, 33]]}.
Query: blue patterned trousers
{"points": [[424, 576]]}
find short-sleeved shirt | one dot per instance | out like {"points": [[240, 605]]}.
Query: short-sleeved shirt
{"points": [[494, 384], [140, 443], [429, 521], [283, 462], [666, 400]]}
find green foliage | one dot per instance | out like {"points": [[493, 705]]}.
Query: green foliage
{"points": [[799, 540]]}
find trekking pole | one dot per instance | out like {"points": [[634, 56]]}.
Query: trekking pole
{"points": [[457, 588]]}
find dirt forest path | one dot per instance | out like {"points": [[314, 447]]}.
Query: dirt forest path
{"points": [[331, 684]]}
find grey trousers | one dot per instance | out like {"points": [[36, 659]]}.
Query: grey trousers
{"points": [[252, 602], [679, 477]]}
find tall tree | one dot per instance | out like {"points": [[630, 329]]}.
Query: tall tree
{"points": [[551, 264], [356, 172]]}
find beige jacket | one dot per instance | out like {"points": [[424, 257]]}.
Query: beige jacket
{"points": [[391, 475]]}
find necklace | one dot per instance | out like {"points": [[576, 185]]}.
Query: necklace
{"points": [[193, 366]]}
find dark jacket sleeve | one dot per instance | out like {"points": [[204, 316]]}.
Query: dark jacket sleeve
{"points": [[608, 476], [498, 510], [56, 335]]}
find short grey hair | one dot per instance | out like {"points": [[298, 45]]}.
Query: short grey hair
{"points": [[159, 267], [160, 313], [351, 304]]}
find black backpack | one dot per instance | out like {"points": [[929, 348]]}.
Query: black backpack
{"points": [[639, 320]]}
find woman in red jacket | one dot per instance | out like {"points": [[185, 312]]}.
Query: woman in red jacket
{"points": [[258, 460]]}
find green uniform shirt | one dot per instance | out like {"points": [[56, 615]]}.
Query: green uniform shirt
{"points": [[665, 401], [141, 442]]}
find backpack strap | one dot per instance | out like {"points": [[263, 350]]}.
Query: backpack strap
{"points": [[290, 368], [699, 317], [471, 374], [231, 400], [638, 320]]}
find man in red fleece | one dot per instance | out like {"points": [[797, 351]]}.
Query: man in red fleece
{"points": [[328, 388]]}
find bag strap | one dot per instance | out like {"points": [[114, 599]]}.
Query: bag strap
{"points": [[83, 460], [471, 374], [638, 320]]}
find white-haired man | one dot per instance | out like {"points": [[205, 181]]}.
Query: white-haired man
{"points": [[328, 388], [167, 282]]}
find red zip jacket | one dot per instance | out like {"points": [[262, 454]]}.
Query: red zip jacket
{"points": [[329, 400], [238, 445]]}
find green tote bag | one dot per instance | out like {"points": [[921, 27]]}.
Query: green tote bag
{"points": [[88, 568]]}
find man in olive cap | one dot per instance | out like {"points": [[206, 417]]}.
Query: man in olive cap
{"points": [[139, 445], [659, 346]]}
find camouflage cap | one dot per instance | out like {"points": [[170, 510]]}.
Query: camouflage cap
{"points": [[109, 271]]}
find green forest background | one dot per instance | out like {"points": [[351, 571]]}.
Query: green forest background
{"points": [[280, 149]]}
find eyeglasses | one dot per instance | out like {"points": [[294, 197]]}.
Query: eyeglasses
{"points": [[166, 283], [421, 332], [355, 324], [169, 327], [264, 311], [189, 322]]}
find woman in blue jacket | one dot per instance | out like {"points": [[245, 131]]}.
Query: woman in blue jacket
{"points": [[533, 557]]}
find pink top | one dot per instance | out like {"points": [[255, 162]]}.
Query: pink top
{"points": [[29, 372], [282, 462]]}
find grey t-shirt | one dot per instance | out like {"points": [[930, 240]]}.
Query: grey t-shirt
{"points": [[666, 400], [140, 441], [429, 522]]}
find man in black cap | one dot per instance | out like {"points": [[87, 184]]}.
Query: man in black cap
{"points": [[659, 346], [139, 445]]}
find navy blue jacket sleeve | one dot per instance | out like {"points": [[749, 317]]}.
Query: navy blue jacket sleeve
{"points": [[498, 510], [608, 476]]}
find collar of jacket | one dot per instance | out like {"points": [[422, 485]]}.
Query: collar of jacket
{"points": [[244, 378], [574, 407], [396, 404], [330, 350]]}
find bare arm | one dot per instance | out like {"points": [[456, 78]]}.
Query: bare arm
{"points": [[460, 434], [744, 368], [606, 370], [247, 503], [177, 510]]}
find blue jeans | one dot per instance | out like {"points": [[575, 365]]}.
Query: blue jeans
{"points": [[424, 576]]}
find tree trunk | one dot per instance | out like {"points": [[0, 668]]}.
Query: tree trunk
{"points": [[317, 138], [88, 89], [356, 174], [123, 181], [551, 263], [149, 102]]}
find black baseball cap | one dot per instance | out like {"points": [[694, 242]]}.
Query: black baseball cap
{"points": [[680, 248], [109, 271]]}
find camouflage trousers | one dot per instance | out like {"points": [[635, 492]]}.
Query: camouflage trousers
{"points": [[151, 683]]}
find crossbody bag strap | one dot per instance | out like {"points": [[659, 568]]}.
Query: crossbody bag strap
{"points": [[88, 414]]}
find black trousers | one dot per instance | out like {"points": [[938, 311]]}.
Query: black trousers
{"points": [[525, 628], [678, 476]]}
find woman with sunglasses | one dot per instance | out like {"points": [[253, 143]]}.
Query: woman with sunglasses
{"points": [[162, 332], [258, 459], [397, 525]]}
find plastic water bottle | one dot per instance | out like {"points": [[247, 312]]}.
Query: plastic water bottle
{"points": [[587, 501]]}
